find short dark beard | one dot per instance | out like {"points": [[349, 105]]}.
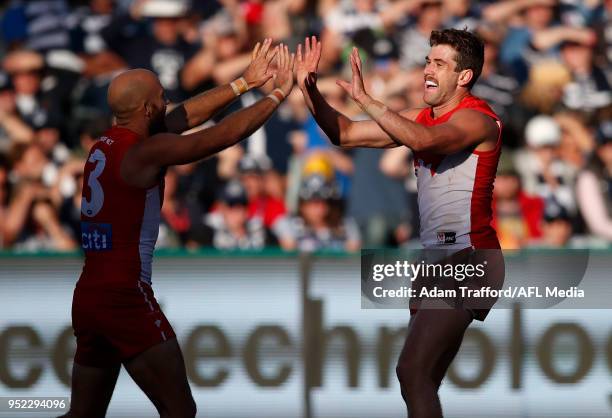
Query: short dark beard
{"points": [[158, 125], [176, 120]]}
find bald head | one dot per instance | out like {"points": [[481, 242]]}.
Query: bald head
{"points": [[134, 91]]}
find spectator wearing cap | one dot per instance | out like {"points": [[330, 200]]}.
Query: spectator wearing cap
{"points": [[330, 162], [152, 36], [230, 227], [594, 187], [320, 224], [543, 173], [517, 216]]}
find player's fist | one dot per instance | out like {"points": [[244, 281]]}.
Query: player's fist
{"points": [[307, 61], [258, 72], [284, 72]]}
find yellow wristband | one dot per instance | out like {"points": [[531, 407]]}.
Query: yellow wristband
{"points": [[240, 86], [375, 109]]}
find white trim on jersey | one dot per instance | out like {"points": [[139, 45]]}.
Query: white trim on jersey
{"points": [[148, 233]]}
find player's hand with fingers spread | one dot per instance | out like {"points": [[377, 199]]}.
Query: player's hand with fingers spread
{"points": [[258, 72], [356, 88], [284, 73], [308, 61]]}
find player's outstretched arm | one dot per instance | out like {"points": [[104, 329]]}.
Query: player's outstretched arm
{"points": [[340, 129], [464, 129], [144, 162], [199, 109]]}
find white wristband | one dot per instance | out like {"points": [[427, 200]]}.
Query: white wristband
{"points": [[277, 95], [273, 97], [239, 86]]}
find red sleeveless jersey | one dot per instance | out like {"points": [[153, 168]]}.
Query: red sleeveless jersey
{"points": [[455, 191], [119, 222]]}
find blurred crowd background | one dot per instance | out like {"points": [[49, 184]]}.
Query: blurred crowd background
{"points": [[547, 73]]}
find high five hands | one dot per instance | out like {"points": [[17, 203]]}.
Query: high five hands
{"points": [[259, 72], [308, 62], [283, 78], [356, 88]]}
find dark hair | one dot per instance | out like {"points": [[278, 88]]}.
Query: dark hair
{"points": [[95, 127], [469, 47]]}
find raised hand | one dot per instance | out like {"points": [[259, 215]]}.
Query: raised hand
{"points": [[308, 62], [258, 72], [356, 88], [284, 72]]}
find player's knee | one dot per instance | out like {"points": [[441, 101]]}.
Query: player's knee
{"points": [[411, 373]]}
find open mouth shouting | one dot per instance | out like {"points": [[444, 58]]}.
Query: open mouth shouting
{"points": [[431, 85]]}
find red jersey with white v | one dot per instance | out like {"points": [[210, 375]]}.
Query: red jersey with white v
{"points": [[455, 191], [119, 222]]}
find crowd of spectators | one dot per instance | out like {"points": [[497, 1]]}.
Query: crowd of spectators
{"points": [[547, 73]]}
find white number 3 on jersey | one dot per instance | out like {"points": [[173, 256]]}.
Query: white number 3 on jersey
{"points": [[93, 206]]}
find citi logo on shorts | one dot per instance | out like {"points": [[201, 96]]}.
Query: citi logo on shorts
{"points": [[96, 237]]}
